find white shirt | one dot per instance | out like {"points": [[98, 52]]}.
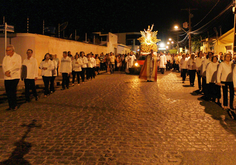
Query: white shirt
{"points": [[12, 64], [168, 57], [163, 61], [199, 63], [85, 62], [31, 68], [191, 64], [77, 65], [130, 60], [94, 62], [205, 62], [66, 65], [184, 63], [224, 72], [211, 72], [49, 65], [91, 62], [112, 59]]}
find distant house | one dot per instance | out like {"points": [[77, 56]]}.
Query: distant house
{"points": [[222, 44]]}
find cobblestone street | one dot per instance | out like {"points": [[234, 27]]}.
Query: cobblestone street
{"points": [[119, 119]]}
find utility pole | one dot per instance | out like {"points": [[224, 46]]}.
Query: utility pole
{"points": [[189, 27]]}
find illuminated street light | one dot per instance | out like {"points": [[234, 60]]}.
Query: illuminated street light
{"points": [[168, 43], [167, 47], [176, 27], [172, 42], [162, 45], [170, 39]]}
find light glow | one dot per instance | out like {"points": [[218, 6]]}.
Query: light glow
{"points": [[162, 45], [176, 27], [136, 64]]}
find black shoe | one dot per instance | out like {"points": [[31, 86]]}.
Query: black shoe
{"points": [[36, 98], [62, 88], [8, 109], [232, 108]]}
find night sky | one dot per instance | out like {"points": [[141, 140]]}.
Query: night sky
{"points": [[115, 15]]}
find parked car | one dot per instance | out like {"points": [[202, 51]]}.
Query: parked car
{"points": [[136, 68]]}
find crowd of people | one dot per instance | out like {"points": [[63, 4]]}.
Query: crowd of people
{"points": [[79, 67], [212, 71]]}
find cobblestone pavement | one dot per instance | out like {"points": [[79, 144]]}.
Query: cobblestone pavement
{"points": [[119, 119]]}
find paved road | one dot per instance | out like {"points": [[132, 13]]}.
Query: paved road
{"points": [[119, 119]]}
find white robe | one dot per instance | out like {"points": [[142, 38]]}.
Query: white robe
{"points": [[163, 61], [130, 61]]}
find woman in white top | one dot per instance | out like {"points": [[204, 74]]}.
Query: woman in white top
{"points": [[46, 66], [183, 66], [225, 79], [205, 62], [214, 91], [77, 68]]}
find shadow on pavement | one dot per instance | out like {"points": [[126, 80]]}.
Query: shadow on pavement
{"points": [[22, 148], [217, 113], [195, 93], [187, 86]]}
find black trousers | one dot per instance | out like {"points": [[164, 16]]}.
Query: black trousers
{"points": [[52, 80], [89, 73], [78, 74], [65, 80], [93, 72], [192, 75], [183, 74], [227, 85], [29, 84], [204, 88], [214, 91], [83, 74], [162, 70], [11, 88], [199, 79], [46, 81]]}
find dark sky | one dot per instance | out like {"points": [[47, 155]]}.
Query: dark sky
{"points": [[114, 15]]}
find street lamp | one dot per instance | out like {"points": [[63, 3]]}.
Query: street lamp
{"points": [[176, 27]]}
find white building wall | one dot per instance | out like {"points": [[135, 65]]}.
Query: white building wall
{"points": [[41, 45]]}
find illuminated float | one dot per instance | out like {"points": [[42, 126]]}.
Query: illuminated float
{"points": [[148, 41]]}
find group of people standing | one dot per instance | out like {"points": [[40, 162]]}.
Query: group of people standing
{"points": [[213, 72], [79, 66]]}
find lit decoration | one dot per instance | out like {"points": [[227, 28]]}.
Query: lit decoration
{"points": [[148, 40]]}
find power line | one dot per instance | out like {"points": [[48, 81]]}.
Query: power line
{"points": [[207, 14], [196, 31]]}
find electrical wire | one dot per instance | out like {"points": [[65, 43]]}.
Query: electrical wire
{"points": [[207, 13], [196, 31], [185, 38]]}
